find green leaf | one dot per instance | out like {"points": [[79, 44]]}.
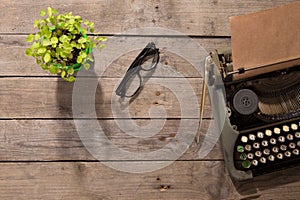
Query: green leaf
{"points": [[36, 22], [30, 38], [86, 66], [54, 11], [37, 36], [83, 54], [71, 71], [54, 40], [64, 38], [49, 12], [41, 50], [63, 54], [38, 61], [71, 79], [84, 31], [35, 45], [79, 59], [53, 20], [28, 52], [78, 46], [82, 40], [46, 43], [52, 28], [47, 57], [77, 17], [48, 34], [73, 44], [71, 21], [67, 46], [101, 39], [53, 69], [63, 74], [44, 66], [42, 13], [90, 57]]}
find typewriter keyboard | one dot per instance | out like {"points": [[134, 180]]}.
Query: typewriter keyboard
{"points": [[267, 149]]}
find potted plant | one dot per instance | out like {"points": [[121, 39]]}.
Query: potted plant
{"points": [[61, 44]]}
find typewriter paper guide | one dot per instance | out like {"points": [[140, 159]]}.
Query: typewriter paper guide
{"points": [[266, 37]]}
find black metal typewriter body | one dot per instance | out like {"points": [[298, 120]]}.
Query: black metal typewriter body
{"points": [[261, 133]]}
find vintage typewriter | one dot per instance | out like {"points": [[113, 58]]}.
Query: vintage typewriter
{"points": [[261, 131]]}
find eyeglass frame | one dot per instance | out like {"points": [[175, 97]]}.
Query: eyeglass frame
{"points": [[136, 67]]}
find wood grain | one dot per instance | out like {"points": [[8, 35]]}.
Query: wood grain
{"points": [[36, 143], [205, 17], [89, 180], [96, 181], [15, 63], [52, 98]]}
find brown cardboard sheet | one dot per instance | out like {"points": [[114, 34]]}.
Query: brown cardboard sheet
{"points": [[266, 37]]}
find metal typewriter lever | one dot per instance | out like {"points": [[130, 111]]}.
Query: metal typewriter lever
{"points": [[213, 82]]}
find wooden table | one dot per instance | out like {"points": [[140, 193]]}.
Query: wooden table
{"points": [[41, 154]]}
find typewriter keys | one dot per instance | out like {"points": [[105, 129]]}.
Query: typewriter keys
{"points": [[281, 139], [258, 154], [273, 141], [279, 156], [290, 137], [269, 133], [283, 147], [264, 143], [296, 152], [275, 149], [287, 154], [248, 147], [244, 139], [254, 162], [267, 147], [250, 156], [263, 160], [260, 135], [246, 164], [292, 145], [266, 151], [256, 145], [252, 137], [277, 130], [294, 127], [285, 128], [271, 158]]}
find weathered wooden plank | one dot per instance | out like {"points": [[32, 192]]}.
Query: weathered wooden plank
{"points": [[32, 140], [14, 62], [52, 98], [89, 180], [197, 17]]}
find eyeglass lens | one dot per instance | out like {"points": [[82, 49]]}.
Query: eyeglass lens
{"points": [[150, 61], [132, 85]]}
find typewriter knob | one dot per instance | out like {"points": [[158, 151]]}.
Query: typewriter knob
{"points": [[245, 101]]}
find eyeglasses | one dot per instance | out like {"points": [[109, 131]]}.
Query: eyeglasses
{"points": [[131, 83]]}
